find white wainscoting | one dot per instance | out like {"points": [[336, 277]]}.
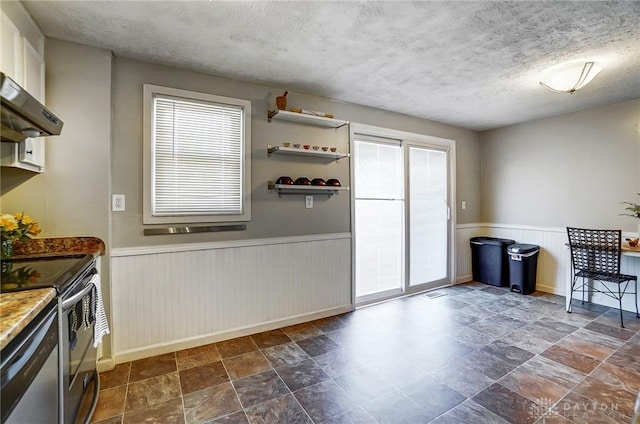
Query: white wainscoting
{"points": [[554, 261], [551, 260], [464, 232], [173, 297], [629, 265]]}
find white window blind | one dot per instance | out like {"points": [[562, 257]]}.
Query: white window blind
{"points": [[379, 215], [198, 154]]}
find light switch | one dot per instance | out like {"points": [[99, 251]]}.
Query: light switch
{"points": [[464, 204]]}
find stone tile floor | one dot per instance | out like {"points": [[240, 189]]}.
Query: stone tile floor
{"points": [[477, 354]]}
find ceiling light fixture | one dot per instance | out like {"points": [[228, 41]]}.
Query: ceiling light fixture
{"points": [[570, 76]]}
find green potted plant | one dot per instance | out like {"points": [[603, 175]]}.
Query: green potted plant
{"points": [[633, 211]]}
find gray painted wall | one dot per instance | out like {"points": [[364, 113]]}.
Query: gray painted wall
{"points": [[271, 216], [568, 170], [71, 198], [100, 153]]}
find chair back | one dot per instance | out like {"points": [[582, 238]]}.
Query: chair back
{"points": [[595, 250]]}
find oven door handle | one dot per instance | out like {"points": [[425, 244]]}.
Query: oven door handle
{"points": [[76, 297]]}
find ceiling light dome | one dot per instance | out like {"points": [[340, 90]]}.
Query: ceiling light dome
{"points": [[570, 76]]}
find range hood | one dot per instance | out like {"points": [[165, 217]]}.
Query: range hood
{"points": [[22, 115]]}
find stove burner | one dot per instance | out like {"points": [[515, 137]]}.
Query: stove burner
{"points": [[33, 273]]}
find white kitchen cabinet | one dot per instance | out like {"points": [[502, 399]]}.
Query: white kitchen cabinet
{"points": [[24, 64], [12, 54], [33, 80], [28, 155]]}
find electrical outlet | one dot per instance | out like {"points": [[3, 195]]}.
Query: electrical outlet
{"points": [[117, 203], [308, 202]]}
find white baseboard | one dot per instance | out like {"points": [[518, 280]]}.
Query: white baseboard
{"points": [[550, 289], [539, 287], [464, 279], [105, 364], [159, 349]]}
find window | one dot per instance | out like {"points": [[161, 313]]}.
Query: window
{"points": [[197, 157]]}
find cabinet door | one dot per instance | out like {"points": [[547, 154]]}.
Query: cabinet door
{"points": [[11, 56], [33, 71], [31, 151]]}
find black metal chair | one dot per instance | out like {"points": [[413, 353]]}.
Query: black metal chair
{"points": [[595, 257]]}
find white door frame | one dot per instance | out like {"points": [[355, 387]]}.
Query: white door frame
{"points": [[412, 139]]}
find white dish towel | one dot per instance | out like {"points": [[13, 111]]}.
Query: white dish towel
{"points": [[101, 327]]}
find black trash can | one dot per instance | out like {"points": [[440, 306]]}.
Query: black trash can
{"points": [[489, 260], [523, 266]]}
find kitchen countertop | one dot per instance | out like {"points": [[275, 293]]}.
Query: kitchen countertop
{"points": [[17, 309], [53, 246]]}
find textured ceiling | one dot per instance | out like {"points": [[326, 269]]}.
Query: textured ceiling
{"points": [[470, 64]]}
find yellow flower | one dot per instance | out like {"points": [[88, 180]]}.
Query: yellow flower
{"points": [[8, 222], [34, 229], [18, 227]]}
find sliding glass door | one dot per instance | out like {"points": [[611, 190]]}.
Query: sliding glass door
{"points": [[428, 217], [402, 222], [379, 217]]}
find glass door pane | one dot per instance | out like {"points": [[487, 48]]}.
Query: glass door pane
{"points": [[379, 218], [379, 241], [428, 216]]}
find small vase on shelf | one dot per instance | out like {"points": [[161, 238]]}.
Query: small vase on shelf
{"points": [[281, 101]]}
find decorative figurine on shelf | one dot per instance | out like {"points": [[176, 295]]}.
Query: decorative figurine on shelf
{"points": [[281, 101]]}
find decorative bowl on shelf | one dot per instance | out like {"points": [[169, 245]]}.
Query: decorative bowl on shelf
{"points": [[306, 146], [286, 144], [284, 180], [333, 149], [333, 182], [302, 181], [296, 146], [318, 182], [315, 147], [324, 148]]}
